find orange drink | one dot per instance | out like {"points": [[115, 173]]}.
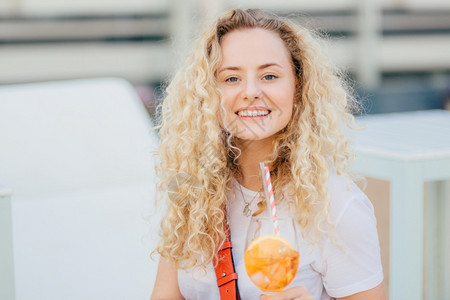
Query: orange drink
{"points": [[271, 262]]}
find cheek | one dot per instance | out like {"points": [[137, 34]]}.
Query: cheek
{"points": [[285, 99], [228, 98], [287, 108], [225, 111], [287, 116]]}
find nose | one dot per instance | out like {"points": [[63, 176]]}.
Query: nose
{"points": [[252, 90]]}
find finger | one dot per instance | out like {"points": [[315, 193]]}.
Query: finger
{"points": [[295, 293], [271, 297]]}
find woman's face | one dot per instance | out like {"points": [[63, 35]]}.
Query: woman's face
{"points": [[257, 81]]}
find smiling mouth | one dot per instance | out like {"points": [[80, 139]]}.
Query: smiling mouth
{"points": [[253, 113]]}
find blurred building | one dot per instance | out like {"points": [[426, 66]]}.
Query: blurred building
{"points": [[398, 51]]}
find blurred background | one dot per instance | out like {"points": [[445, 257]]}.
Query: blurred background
{"points": [[396, 52]]}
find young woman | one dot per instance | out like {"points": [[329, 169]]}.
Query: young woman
{"points": [[256, 89]]}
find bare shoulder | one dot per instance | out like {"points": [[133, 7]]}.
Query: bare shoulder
{"points": [[166, 283]]}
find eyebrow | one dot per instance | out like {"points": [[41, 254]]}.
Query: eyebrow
{"points": [[264, 66]]}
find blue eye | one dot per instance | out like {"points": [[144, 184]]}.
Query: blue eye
{"points": [[232, 79], [270, 77]]}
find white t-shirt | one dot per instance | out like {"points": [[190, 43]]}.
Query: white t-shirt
{"points": [[327, 270]]}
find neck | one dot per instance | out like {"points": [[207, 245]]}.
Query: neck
{"points": [[252, 154]]}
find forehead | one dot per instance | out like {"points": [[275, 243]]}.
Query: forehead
{"points": [[253, 46]]}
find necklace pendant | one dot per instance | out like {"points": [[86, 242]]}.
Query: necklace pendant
{"points": [[246, 212]]}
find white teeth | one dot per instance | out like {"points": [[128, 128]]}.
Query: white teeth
{"points": [[253, 113]]}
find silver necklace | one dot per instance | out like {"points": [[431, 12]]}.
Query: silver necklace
{"points": [[246, 211]]}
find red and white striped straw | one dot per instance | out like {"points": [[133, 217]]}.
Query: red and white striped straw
{"points": [[269, 196]]}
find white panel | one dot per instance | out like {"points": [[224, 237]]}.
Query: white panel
{"points": [[8, 7], [392, 3], [415, 53], [17, 30], [283, 5], [138, 63], [76, 7], [428, 4], [410, 53], [416, 4]]}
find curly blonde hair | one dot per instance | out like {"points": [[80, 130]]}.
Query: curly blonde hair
{"points": [[198, 157]]}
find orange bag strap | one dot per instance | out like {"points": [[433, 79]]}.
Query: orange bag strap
{"points": [[225, 272]]}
